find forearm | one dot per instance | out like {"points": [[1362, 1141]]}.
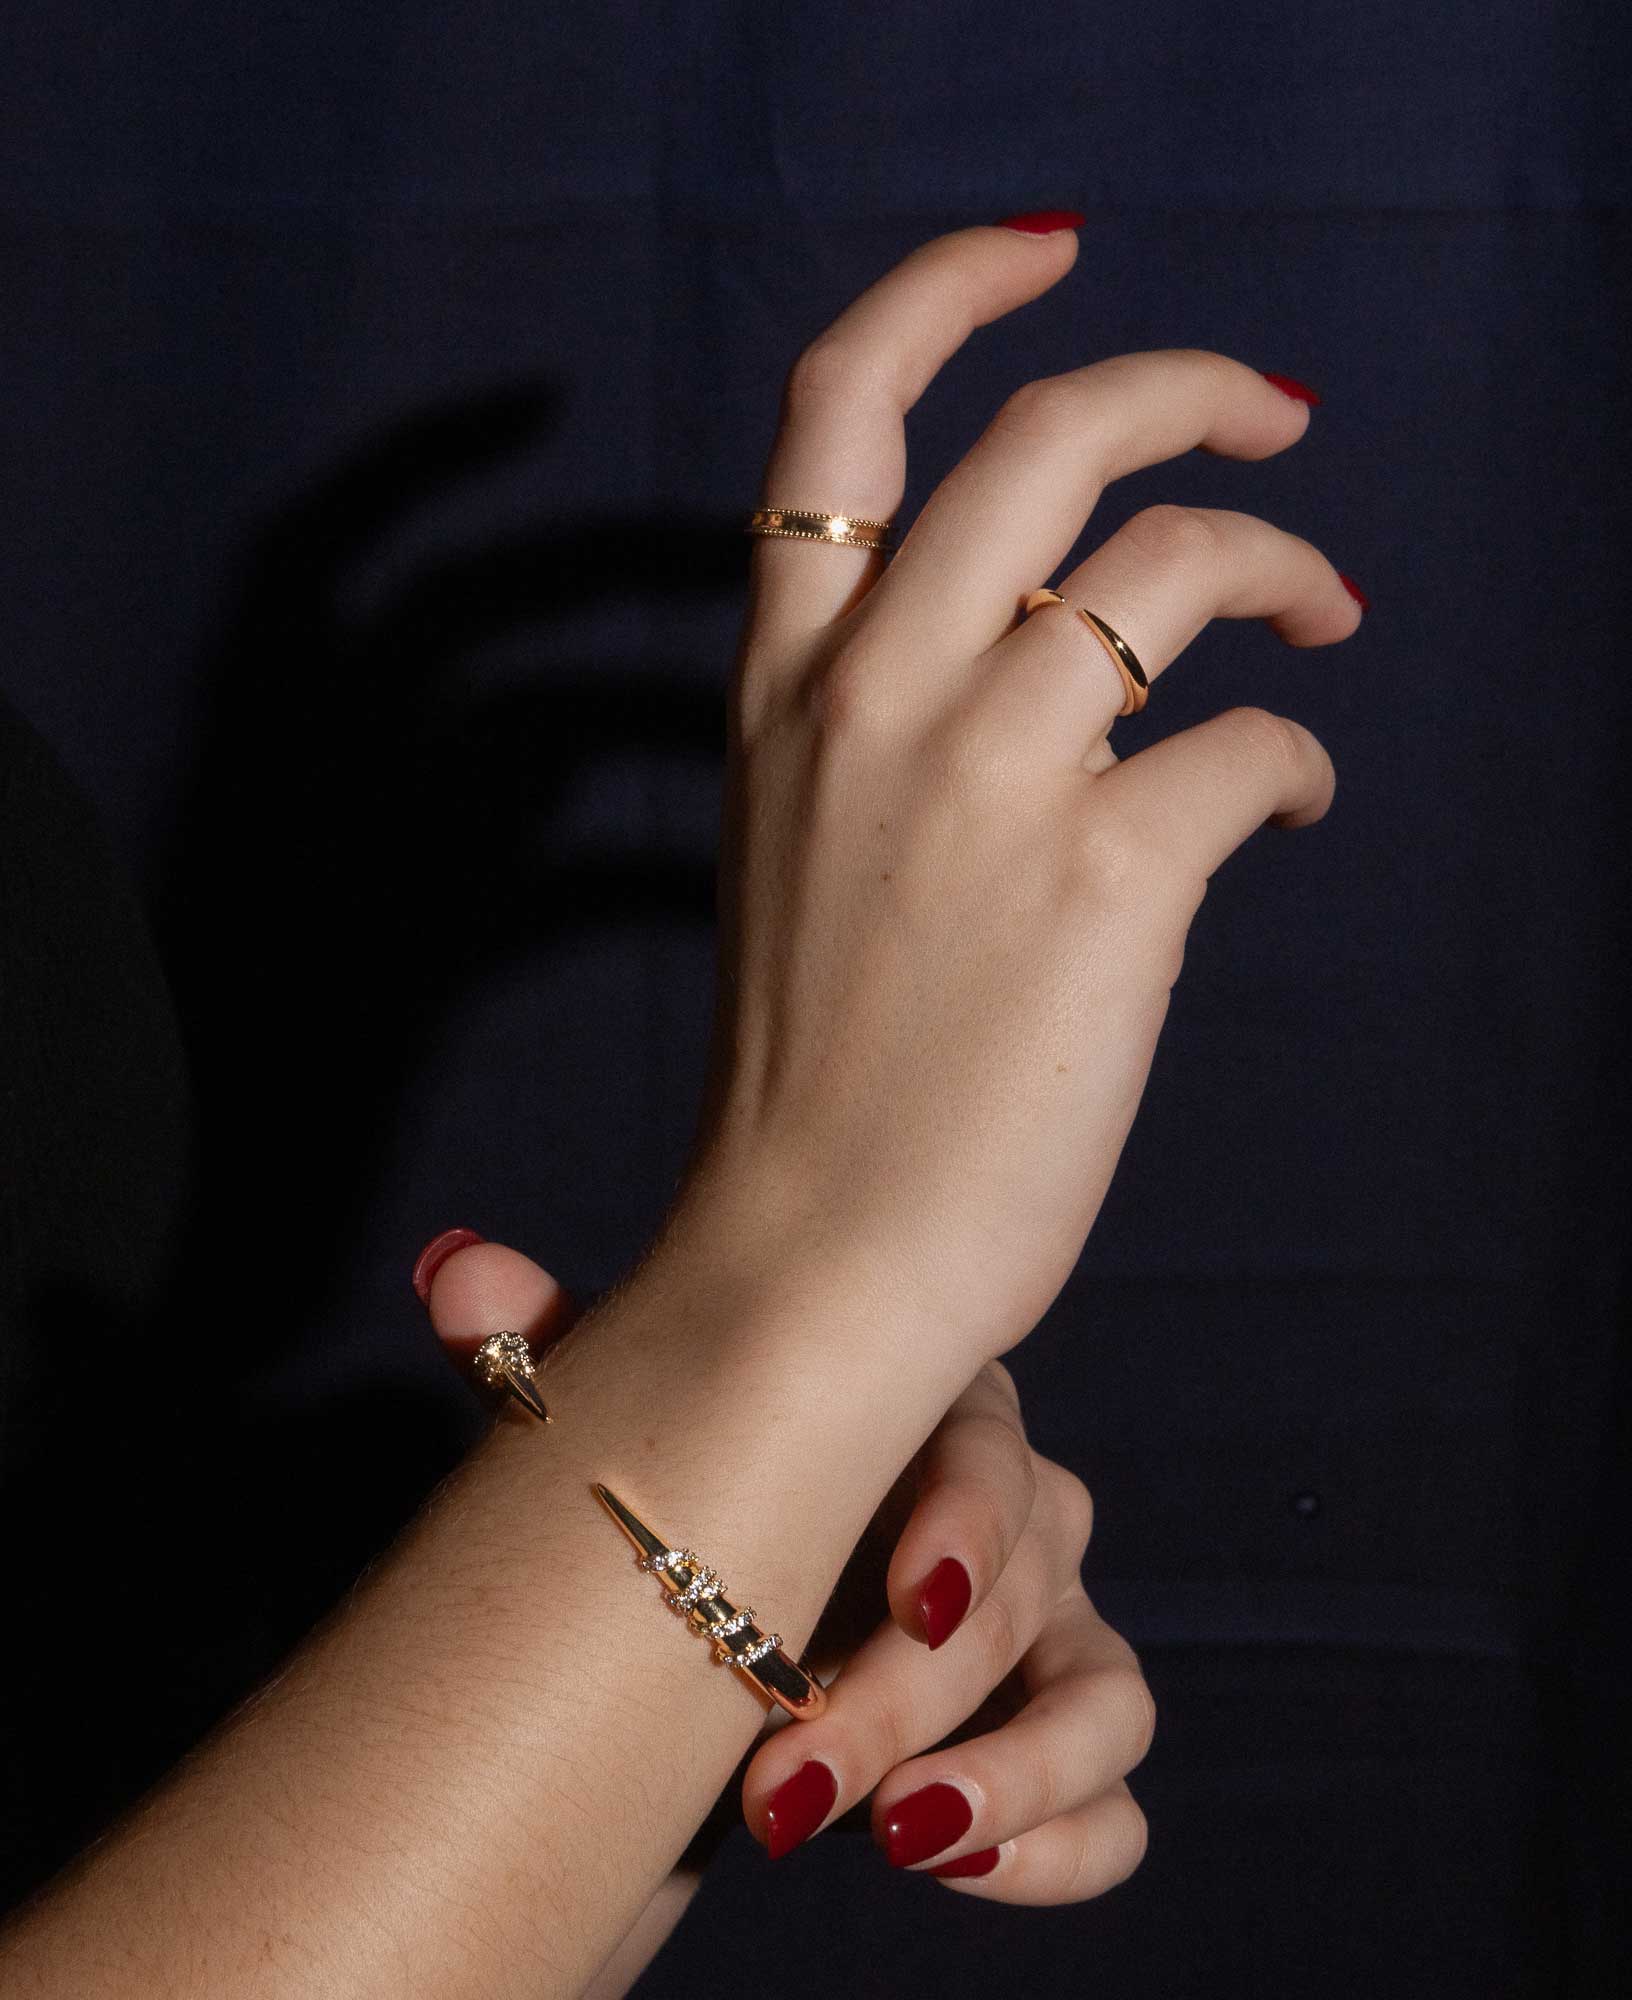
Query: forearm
{"points": [[473, 1779]]}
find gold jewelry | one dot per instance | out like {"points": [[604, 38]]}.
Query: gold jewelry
{"points": [[805, 525], [697, 1594], [1135, 685], [504, 1364]]}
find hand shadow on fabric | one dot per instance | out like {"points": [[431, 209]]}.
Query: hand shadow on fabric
{"points": [[366, 835]]}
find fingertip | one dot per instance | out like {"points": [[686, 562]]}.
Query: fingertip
{"points": [[435, 1254], [1291, 387], [489, 1288], [942, 1601], [798, 1807]]}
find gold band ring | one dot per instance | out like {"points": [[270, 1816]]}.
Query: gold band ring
{"points": [[804, 524], [1135, 684]]}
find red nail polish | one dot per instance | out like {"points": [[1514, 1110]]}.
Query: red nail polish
{"points": [[981, 1862], [1300, 392], [943, 1598], [1044, 221], [435, 1254], [1355, 591], [798, 1806], [924, 1822]]}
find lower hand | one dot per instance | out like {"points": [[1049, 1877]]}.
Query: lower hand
{"points": [[991, 1720]]}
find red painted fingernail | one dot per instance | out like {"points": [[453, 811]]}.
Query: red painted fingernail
{"points": [[435, 1254], [943, 1598], [924, 1822], [981, 1862], [1300, 392], [1044, 221], [798, 1806], [1355, 591]]}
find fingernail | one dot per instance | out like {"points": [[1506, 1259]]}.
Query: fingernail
{"points": [[1300, 392], [1044, 221], [924, 1822], [435, 1254], [943, 1598], [798, 1806], [981, 1862], [1355, 591]]}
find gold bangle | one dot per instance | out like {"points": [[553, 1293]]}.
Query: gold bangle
{"points": [[804, 524], [697, 1593], [504, 1365]]}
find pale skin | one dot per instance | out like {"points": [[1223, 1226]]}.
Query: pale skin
{"points": [[951, 919], [979, 1493]]}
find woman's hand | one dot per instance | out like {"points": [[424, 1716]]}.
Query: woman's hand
{"points": [[1039, 1707], [998, 1761], [951, 917]]}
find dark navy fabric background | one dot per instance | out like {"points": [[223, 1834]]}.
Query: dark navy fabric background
{"points": [[381, 389]]}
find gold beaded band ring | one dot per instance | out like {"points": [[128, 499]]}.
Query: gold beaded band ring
{"points": [[1135, 685], [804, 524], [504, 1366], [697, 1594]]}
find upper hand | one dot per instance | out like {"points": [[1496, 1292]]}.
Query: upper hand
{"points": [[951, 917]]}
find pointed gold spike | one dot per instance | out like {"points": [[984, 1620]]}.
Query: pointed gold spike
{"points": [[788, 1682], [648, 1543], [525, 1390], [505, 1362]]}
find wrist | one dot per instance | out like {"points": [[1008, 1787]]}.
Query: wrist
{"points": [[708, 1389]]}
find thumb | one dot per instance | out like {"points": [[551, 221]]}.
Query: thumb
{"points": [[474, 1288]]}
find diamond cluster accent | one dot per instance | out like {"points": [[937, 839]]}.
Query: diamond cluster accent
{"points": [[705, 1584], [500, 1353], [702, 1587], [667, 1559]]}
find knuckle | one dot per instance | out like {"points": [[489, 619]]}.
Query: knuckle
{"points": [[851, 699], [1074, 1505], [1130, 1841], [999, 1636], [1039, 408], [1044, 1794], [1127, 1693], [877, 1727], [829, 372], [1003, 1381], [1175, 536], [986, 1521], [1264, 735]]}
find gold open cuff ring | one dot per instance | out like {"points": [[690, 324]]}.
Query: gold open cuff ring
{"points": [[803, 524], [697, 1594], [1135, 685]]}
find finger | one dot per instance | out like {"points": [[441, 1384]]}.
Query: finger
{"points": [[1080, 1854], [1008, 513], [1089, 1721], [976, 1481], [485, 1288], [1157, 582], [841, 443], [895, 1697], [1190, 800]]}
